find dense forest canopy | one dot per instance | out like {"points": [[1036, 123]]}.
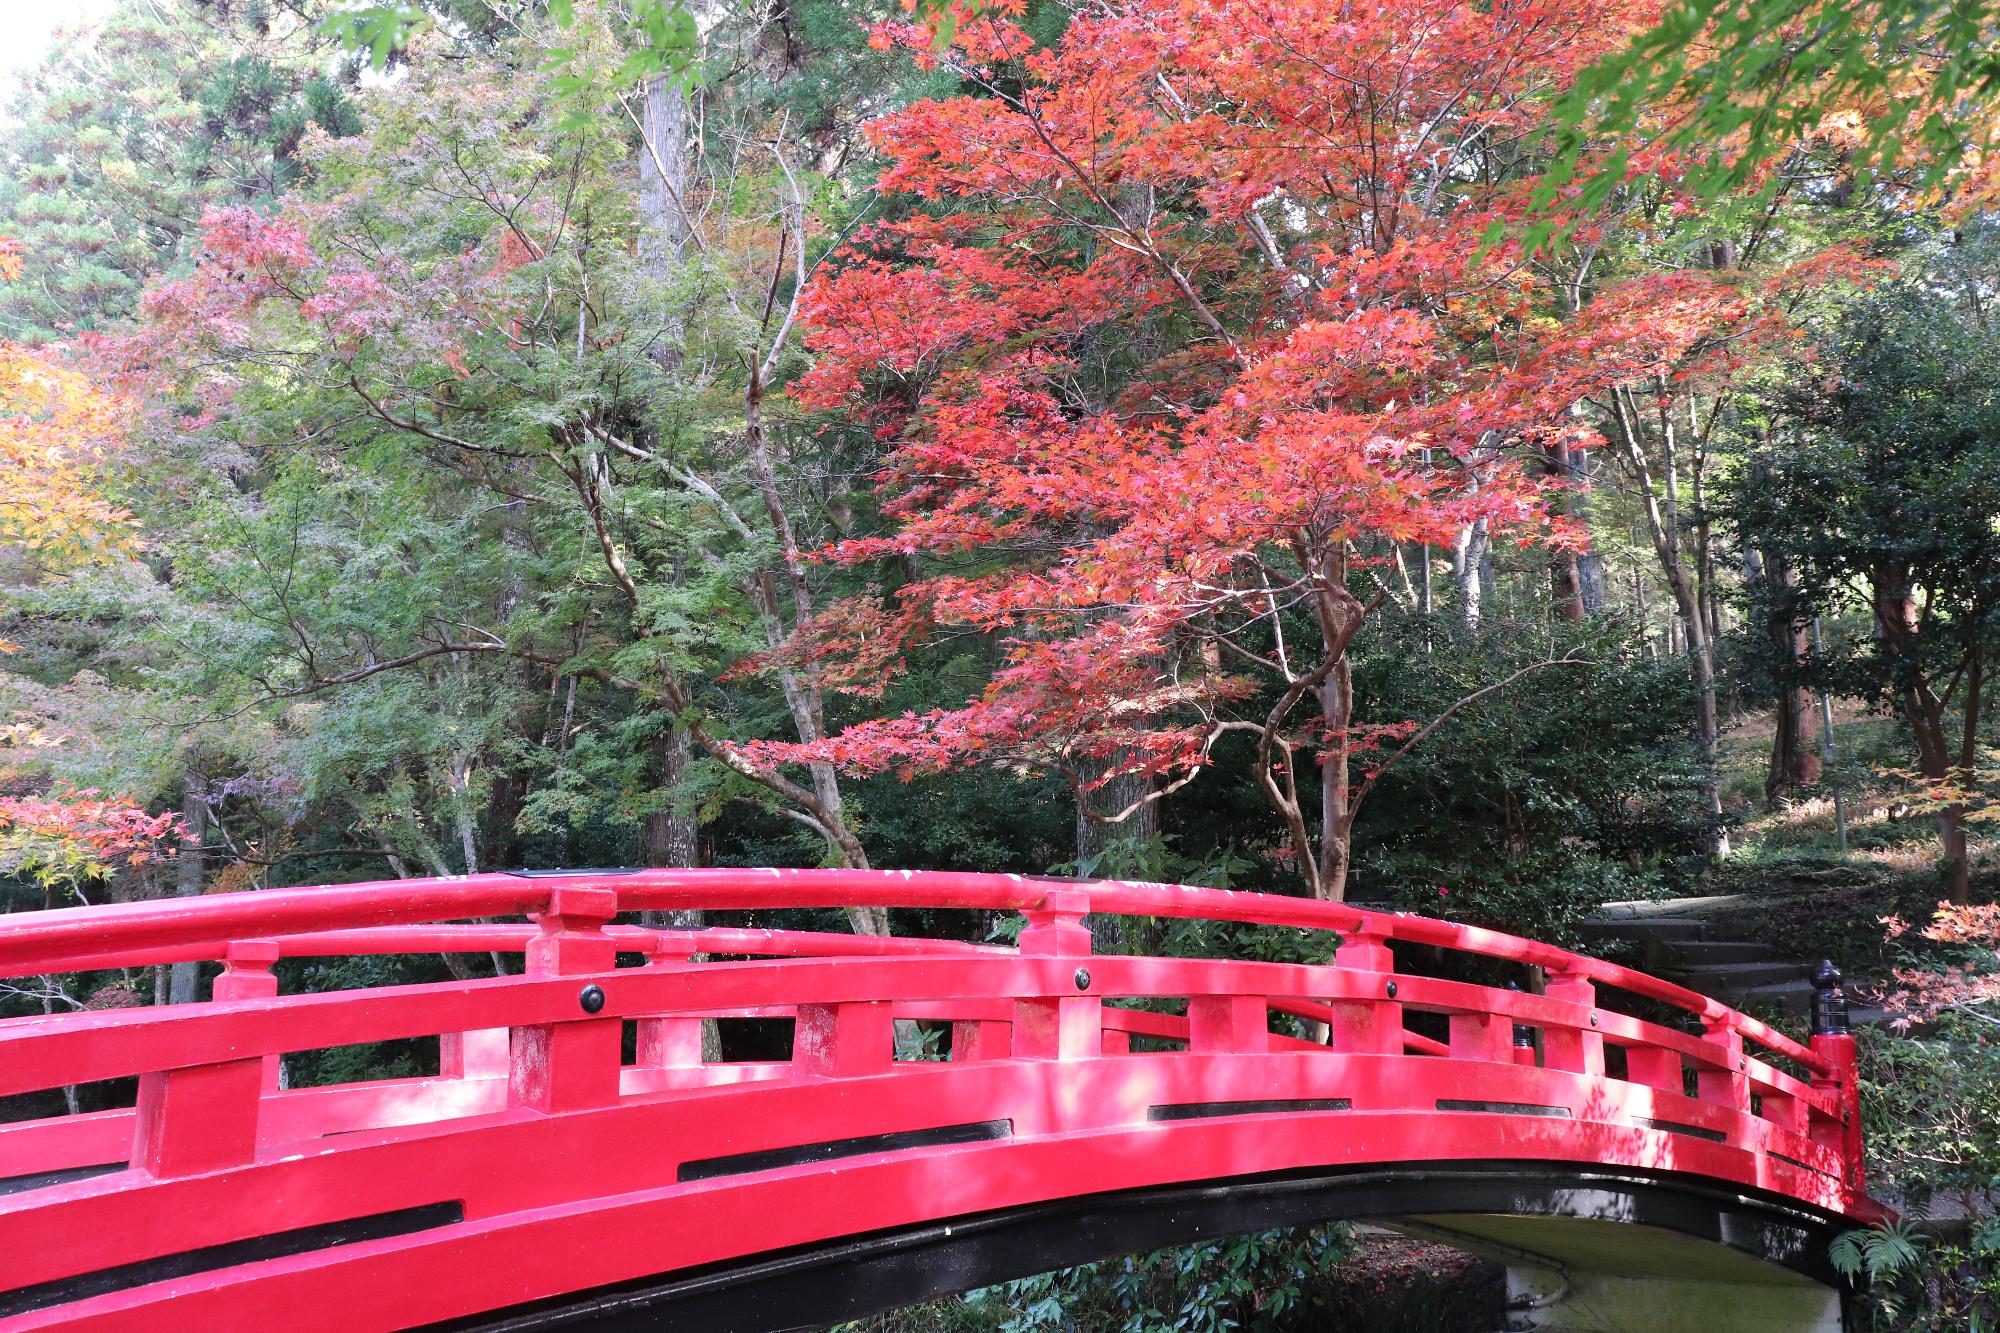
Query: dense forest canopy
{"points": [[484, 453], [1421, 453]]}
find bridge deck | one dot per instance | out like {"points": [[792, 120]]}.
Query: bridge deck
{"points": [[573, 1138]]}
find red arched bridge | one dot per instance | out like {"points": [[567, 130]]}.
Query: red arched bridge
{"points": [[1640, 1156]]}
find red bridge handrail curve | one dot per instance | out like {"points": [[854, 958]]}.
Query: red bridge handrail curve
{"points": [[68, 939], [1042, 1042]]}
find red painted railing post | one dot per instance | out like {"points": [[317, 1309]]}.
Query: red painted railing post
{"points": [[1730, 1085], [669, 1043], [1577, 1050], [204, 1117], [246, 975], [981, 1039], [1833, 1041], [1229, 1023], [1487, 1037], [1065, 1028], [1784, 1111], [566, 1066], [483, 1053], [1371, 1027], [1843, 1088], [845, 1040], [1656, 1067]]}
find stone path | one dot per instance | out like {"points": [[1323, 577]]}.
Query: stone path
{"points": [[1679, 940]]}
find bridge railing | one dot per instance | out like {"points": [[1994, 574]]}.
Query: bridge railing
{"points": [[1742, 1099]]}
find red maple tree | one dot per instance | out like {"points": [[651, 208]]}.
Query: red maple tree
{"points": [[1195, 315], [1205, 309], [68, 838], [1918, 994]]}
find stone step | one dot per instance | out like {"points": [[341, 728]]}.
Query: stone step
{"points": [[1726, 979], [1788, 997], [1645, 909], [1691, 953], [1647, 928]]}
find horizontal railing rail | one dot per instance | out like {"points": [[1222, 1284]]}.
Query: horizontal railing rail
{"points": [[377, 941], [71, 939]]}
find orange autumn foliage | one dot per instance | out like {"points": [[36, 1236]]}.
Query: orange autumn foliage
{"points": [[55, 428], [1200, 321]]}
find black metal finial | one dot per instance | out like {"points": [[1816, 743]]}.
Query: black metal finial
{"points": [[1829, 1002], [1083, 978], [591, 998]]}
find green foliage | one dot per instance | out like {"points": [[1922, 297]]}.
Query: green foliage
{"points": [[1252, 1281], [1932, 1112], [1915, 1283], [1725, 86], [1877, 489], [1876, 1253], [1573, 786], [978, 820], [1889, 471]]}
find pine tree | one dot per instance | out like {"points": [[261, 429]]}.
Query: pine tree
{"points": [[130, 129]]}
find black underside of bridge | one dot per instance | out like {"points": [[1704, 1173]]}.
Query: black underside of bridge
{"points": [[811, 1287]]}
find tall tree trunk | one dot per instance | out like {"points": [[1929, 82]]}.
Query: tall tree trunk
{"points": [[1701, 654], [1468, 563], [1590, 581], [667, 169], [1489, 589], [1958, 857], [1661, 506], [1095, 838], [1336, 814], [802, 696], [665, 184], [1589, 564], [1566, 586], [189, 874], [1899, 623], [667, 839], [669, 165], [1709, 599], [462, 819], [667, 842], [1565, 578], [503, 807], [1794, 761]]}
